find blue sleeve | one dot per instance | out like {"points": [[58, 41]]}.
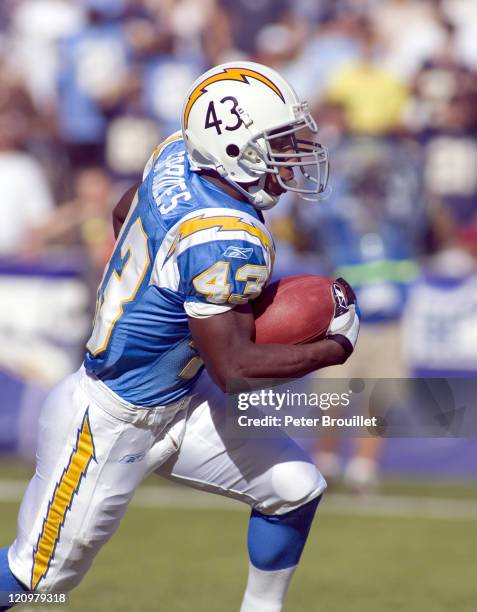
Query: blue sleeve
{"points": [[223, 272]]}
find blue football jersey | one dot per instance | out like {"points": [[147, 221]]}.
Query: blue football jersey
{"points": [[185, 249]]}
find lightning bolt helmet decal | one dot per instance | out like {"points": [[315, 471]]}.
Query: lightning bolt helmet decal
{"points": [[228, 74]]}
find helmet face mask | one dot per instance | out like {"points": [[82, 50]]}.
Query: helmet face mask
{"points": [[246, 123], [309, 156]]}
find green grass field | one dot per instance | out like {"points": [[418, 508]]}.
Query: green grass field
{"points": [[194, 559]]}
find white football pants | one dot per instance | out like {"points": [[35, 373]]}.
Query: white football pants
{"points": [[95, 449]]}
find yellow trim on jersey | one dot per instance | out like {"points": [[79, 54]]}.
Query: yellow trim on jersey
{"points": [[227, 224], [172, 138], [193, 366], [229, 74], [119, 277], [257, 272], [213, 282], [61, 501]]}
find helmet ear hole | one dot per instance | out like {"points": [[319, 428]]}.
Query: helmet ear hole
{"points": [[232, 150]]}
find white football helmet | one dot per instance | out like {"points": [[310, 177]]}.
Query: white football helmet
{"points": [[233, 119]]}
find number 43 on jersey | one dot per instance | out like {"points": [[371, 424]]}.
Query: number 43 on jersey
{"points": [[215, 283]]}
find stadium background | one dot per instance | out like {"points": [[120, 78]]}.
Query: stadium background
{"points": [[87, 90]]}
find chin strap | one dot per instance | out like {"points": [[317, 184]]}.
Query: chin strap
{"points": [[261, 199], [256, 193]]}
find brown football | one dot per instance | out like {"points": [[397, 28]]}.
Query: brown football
{"points": [[294, 310]]}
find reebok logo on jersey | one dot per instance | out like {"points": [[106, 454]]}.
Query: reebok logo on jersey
{"points": [[238, 252]]}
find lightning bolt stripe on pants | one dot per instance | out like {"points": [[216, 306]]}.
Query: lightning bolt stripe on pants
{"points": [[61, 501]]}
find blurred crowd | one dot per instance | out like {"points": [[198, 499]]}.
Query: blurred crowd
{"points": [[88, 88]]}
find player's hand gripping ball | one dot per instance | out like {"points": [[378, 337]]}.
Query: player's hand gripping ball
{"points": [[344, 328], [302, 309]]}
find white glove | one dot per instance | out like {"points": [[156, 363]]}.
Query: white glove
{"points": [[344, 327]]}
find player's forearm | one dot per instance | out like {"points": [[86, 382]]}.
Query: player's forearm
{"points": [[268, 361], [226, 345], [275, 361]]}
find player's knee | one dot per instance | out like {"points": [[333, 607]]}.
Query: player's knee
{"points": [[295, 483]]}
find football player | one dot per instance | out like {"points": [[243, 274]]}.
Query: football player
{"points": [[192, 251]]}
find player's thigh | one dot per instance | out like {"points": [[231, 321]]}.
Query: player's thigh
{"points": [[80, 490], [272, 474]]}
